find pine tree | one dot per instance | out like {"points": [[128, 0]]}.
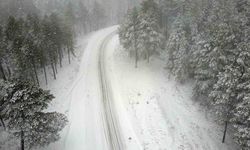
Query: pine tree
{"points": [[15, 46], [150, 38], [242, 124], [68, 42], [32, 44], [22, 106], [2, 53], [129, 33], [125, 33], [178, 51], [3, 85], [240, 116], [56, 37], [43, 129], [70, 18], [50, 49]]}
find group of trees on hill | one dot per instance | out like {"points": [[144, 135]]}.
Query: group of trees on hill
{"points": [[207, 42], [140, 32], [27, 45], [32, 43], [82, 16], [84, 19], [210, 44], [17, 8]]}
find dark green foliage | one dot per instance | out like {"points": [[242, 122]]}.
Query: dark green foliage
{"points": [[43, 129], [21, 96], [22, 107], [31, 43], [207, 42], [215, 39], [140, 32]]}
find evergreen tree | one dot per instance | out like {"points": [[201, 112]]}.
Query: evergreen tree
{"points": [[150, 38], [2, 53], [178, 51], [22, 106], [70, 18], [15, 40], [43, 129], [241, 123], [32, 44], [240, 116], [129, 33], [50, 46]]}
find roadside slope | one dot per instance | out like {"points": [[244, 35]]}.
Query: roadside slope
{"points": [[160, 110]]}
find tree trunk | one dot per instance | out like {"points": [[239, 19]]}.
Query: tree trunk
{"points": [[225, 132], [22, 132], [9, 71], [2, 71], [34, 67], [33, 78], [135, 47], [2, 122], [60, 61], [69, 54], [22, 140], [45, 74], [63, 50], [60, 56], [53, 69], [148, 56], [136, 58]]}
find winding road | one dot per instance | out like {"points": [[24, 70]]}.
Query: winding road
{"points": [[93, 122], [112, 129]]}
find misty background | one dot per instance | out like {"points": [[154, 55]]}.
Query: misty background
{"points": [[86, 15]]}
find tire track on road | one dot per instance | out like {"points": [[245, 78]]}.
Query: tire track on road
{"points": [[110, 121]]}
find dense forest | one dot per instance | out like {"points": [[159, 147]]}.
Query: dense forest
{"points": [[203, 41]]}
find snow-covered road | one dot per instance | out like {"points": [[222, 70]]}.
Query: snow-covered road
{"points": [[87, 121], [94, 124], [111, 124]]}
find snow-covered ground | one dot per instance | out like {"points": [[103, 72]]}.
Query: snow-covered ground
{"points": [[161, 111]]}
